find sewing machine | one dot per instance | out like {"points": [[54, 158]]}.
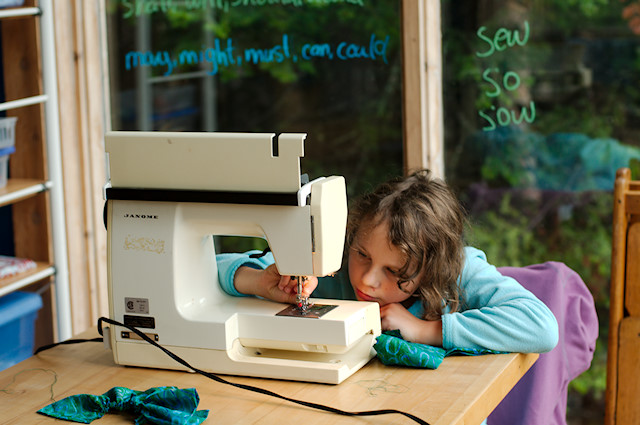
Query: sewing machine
{"points": [[169, 194]]}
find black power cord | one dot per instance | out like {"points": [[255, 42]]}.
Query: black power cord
{"points": [[66, 342], [217, 378]]}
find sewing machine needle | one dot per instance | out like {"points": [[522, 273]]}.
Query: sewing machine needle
{"points": [[301, 301]]}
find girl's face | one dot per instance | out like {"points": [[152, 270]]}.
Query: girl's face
{"points": [[373, 267]]}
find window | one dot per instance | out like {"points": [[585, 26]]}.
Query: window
{"points": [[540, 109], [331, 69]]}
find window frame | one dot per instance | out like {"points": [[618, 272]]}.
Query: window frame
{"points": [[423, 122]]}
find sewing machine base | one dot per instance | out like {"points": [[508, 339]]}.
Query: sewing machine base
{"points": [[327, 368]]}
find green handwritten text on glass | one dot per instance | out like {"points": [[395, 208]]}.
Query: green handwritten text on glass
{"points": [[501, 116]]}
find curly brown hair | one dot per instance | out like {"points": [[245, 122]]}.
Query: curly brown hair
{"points": [[426, 223]]}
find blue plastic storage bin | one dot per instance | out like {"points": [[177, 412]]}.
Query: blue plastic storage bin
{"points": [[18, 312], [10, 3], [7, 143]]}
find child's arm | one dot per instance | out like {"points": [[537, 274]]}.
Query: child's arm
{"points": [[498, 313], [241, 275], [228, 265], [270, 284], [395, 316]]}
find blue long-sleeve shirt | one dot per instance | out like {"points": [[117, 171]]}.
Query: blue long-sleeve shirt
{"points": [[496, 312]]}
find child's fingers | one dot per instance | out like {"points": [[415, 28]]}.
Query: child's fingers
{"points": [[310, 285], [289, 284]]}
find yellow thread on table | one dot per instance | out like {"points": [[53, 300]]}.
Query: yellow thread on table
{"points": [[6, 389], [376, 385]]}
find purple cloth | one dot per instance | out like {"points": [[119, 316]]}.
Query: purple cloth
{"points": [[540, 398]]}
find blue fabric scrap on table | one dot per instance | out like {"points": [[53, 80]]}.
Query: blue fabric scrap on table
{"points": [[392, 349], [159, 405]]}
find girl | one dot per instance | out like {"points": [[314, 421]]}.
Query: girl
{"points": [[405, 251]]}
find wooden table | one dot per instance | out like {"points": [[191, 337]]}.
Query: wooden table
{"points": [[463, 390]]}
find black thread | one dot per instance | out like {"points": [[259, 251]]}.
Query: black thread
{"points": [[260, 254]]}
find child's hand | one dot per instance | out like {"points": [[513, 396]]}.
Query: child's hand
{"points": [[270, 284], [289, 284], [395, 316]]}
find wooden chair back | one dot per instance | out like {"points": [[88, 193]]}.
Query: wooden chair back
{"points": [[622, 405]]}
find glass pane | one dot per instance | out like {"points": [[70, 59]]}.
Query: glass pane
{"points": [[328, 69], [541, 108], [225, 244]]}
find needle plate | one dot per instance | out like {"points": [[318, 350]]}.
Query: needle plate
{"points": [[314, 311]]}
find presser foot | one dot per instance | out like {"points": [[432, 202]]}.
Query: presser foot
{"points": [[302, 302]]}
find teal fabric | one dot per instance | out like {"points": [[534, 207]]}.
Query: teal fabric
{"points": [[392, 349], [160, 405]]}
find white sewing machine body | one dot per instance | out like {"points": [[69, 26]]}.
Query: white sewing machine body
{"points": [[169, 194]]}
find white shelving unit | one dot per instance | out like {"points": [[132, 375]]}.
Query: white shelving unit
{"points": [[38, 189]]}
